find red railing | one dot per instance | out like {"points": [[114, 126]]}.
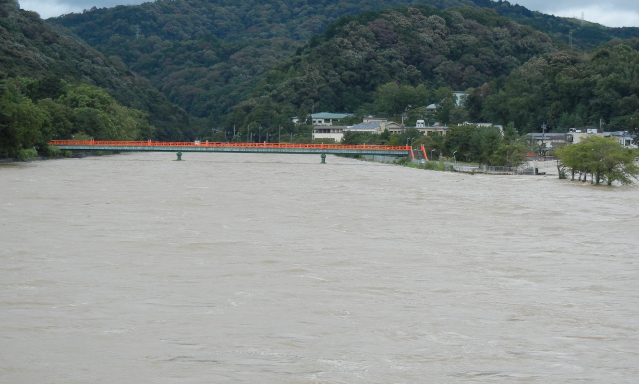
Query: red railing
{"points": [[232, 145]]}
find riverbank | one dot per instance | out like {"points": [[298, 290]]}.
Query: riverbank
{"points": [[534, 167]]}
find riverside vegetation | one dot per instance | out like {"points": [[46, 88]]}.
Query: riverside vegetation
{"points": [[602, 158], [37, 111]]}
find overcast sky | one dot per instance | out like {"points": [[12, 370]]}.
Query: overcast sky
{"points": [[613, 13]]}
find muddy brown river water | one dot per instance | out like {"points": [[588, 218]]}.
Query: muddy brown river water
{"points": [[277, 269]]}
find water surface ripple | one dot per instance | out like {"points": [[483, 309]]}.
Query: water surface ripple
{"points": [[277, 269]]}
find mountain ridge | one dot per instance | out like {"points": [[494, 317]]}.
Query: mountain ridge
{"points": [[207, 56], [32, 48]]}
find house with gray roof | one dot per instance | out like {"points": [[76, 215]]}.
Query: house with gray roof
{"points": [[377, 127]]}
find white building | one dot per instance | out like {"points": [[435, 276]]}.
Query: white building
{"points": [[623, 137], [580, 133], [330, 133], [326, 118]]}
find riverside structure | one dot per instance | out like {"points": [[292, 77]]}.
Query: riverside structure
{"points": [[205, 146]]}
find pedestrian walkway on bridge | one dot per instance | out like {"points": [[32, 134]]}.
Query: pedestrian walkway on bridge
{"points": [[204, 146]]}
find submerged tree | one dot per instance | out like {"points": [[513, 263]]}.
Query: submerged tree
{"points": [[602, 157]]}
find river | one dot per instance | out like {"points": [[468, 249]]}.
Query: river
{"points": [[259, 268]]}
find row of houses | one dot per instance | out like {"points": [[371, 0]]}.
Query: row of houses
{"points": [[323, 127], [373, 125], [327, 118]]}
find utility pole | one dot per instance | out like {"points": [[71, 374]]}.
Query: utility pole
{"points": [[543, 136], [279, 134], [570, 39]]}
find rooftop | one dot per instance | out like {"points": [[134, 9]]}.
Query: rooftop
{"points": [[370, 126], [328, 115]]}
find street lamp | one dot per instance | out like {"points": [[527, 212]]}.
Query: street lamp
{"points": [[455, 157], [431, 154], [543, 136]]}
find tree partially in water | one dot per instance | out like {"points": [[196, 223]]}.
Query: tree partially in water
{"points": [[601, 157]]}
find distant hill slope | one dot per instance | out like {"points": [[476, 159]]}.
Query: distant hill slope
{"points": [[207, 55], [31, 48], [566, 89], [341, 69]]}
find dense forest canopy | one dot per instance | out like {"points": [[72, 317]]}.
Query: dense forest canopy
{"points": [[36, 111], [357, 59], [566, 89], [207, 56], [30, 47]]}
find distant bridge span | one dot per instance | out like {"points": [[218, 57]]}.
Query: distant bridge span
{"points": [[202, 146]]}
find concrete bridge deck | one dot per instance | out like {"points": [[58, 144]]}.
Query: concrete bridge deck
{"points": [[201, 146]]}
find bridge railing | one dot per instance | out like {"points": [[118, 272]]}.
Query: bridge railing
{"points": [[221, 144]]}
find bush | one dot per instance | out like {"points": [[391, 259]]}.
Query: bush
{"points": [[25, 154], [51, 151], [431, 165]]}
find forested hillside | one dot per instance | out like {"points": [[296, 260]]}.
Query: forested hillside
{"points": [[566, 89], [585, 35], [31, 48], [420, 46], [207, 56]]}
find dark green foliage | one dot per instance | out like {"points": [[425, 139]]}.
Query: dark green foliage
{"points": [[51, 57], [211, 54], [208, 54], [80, 112], [359, 138], [389, 61], [565, 89]]}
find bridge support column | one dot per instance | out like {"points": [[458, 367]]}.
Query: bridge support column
{"points": [[323, 158], [179, 156]]}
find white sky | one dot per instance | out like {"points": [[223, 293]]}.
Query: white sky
{"points": [[612, 13]]}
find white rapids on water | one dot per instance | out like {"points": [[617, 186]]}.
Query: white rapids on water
{"points": [[277, 269]]}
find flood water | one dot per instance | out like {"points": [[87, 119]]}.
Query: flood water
{"points": [[277, 269]]}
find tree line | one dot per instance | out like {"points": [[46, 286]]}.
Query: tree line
{"points": [[466, 142], [35, 111]]}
